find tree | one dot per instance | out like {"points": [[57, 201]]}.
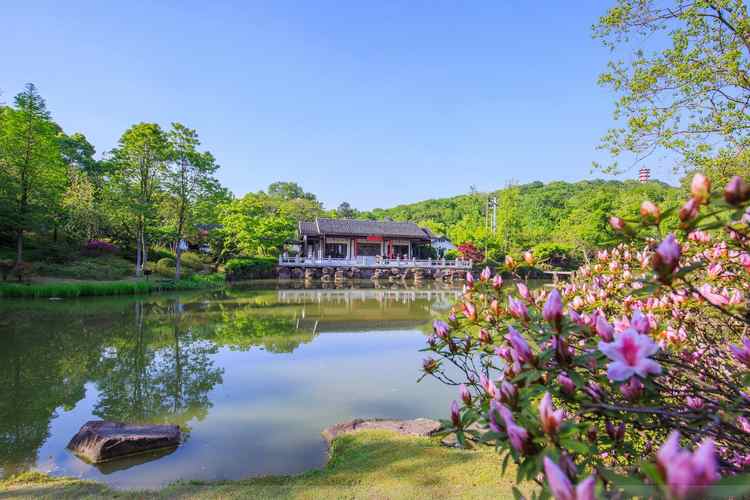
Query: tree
{"points": [[188, 176], [250, 228], [345, 211], [140, 159], [690, 95], [32, 173], [289, 191], [79, 206]]}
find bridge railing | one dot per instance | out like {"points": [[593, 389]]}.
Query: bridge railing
{"points": [[365, 261]]}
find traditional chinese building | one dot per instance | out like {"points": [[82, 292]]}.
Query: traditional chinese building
{"points": [[368, 239]]}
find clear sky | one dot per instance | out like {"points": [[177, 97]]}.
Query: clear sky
{"points": [[375, 102]]}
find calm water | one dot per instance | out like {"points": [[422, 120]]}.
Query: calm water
{"points": [[252, 376]]}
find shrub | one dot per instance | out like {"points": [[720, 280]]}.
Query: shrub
{"points": [[644, 347], [104, 267], [469, 251], [245, 268], [6, 266], [193, 261], [555, 255], [95, 248]]}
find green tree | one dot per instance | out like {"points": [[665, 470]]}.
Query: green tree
{"points": [[140, 160], [289, 191], [688, 91], [345, 211], [189, 175], [32, 173], [250, 228], [79, 206]]}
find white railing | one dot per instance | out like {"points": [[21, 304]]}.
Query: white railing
{"points": [[363, 261]]}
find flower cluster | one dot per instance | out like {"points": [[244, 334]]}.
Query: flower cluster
{"points": [[98, 247], [576, 384]]}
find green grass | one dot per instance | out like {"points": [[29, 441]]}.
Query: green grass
{"points": [[371, 464], [104, 268], [99, 288]]}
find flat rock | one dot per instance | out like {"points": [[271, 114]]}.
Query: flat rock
{"points": [[101, 441], [416, 427]]}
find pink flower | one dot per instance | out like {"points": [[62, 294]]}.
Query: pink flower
{"points": [[689, 210], [441, 328], [493, 413], [518, 309], [617, 223], [744, 424], [465, 395], [497, 282], [550, 418], [650, 213], [455, 414], [486, 274], [528, 257], [640, 322], [518, 436], [630, 353], [736, 191], [489, 386], [666, 258], [484, 337], [717, 299], [687, 474], [700, 188], [552, 311], [508, 392], [523, 290], [470, 312], [695, 403], [604, 329], [742, 354], [469, 279], [632, 389], [520, 346], [566, 383], [562, 488]]}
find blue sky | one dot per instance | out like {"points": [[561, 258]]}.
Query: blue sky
{"points": [[372, 102]]}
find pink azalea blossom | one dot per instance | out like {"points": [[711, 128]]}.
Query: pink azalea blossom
{"points": [[520, 346], [550, 418], [604, 329], [497, 282], [630, 353], [518, 309], [552, 311], [562, 488], [640, 322], [470, 311], [523, 290], [687, 474], [742, 353], [708, 293], [469, 279], [695, 403], [566, 383], [455, 414], [441, 328], [486, 274], [465, 394]]}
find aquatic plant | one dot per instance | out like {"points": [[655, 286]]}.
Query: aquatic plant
{"points": [[593, 387]]}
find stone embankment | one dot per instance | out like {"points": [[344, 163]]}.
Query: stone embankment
{"points": [[340, 274]]}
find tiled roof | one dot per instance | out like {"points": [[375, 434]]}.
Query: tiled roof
{"points": [[354, 227]]}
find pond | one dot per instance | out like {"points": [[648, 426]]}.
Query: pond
{"points": [[251, 376]]}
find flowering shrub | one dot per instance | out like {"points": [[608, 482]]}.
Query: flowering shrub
{"points": [[99, 247], [469, 251], [594, 388]]}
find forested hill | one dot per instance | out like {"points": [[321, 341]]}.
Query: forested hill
{"points": [[572, 215]]}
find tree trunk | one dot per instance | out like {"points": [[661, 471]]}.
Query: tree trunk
{"points": [[19, 246], [138, 260], [177, 263]]}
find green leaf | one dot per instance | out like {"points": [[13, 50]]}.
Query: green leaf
{"points": [[517, 495], [630, 486], [575, 445]]}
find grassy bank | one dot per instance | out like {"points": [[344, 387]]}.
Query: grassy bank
{"points": [[75, 288], [372, 464]]}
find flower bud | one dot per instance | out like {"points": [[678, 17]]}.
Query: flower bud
{"points": [[700, 188], [689, 210], [497, 282], [736, 191], [429, 365], [441, 328], [528, 257], [465, 395], [650, 213], [552, 311], [455, 414], [484, 337], [509, 262], [632, 389], [469, 279], [666, 258], [566, 384], [617, 223], [486, 274]]}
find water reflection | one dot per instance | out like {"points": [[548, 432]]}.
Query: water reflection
{"points": [[251, 376]]}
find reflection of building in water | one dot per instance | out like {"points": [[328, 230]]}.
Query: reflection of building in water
{"points": [[366, 309]]}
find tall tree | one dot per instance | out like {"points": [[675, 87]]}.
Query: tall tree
{"points": [[345, 211], [32, 174], [140, 159], [289, 191], [685, 86], [189, 175]]}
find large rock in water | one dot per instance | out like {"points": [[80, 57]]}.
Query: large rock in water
{"points": [[416, 427], [101, 441]]}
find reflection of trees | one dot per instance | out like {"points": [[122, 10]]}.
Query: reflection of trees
{"points": [[159, 372], [243, 328], [44, 363]]}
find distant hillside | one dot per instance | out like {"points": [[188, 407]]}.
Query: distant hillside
{"points": [[571, 215]]}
